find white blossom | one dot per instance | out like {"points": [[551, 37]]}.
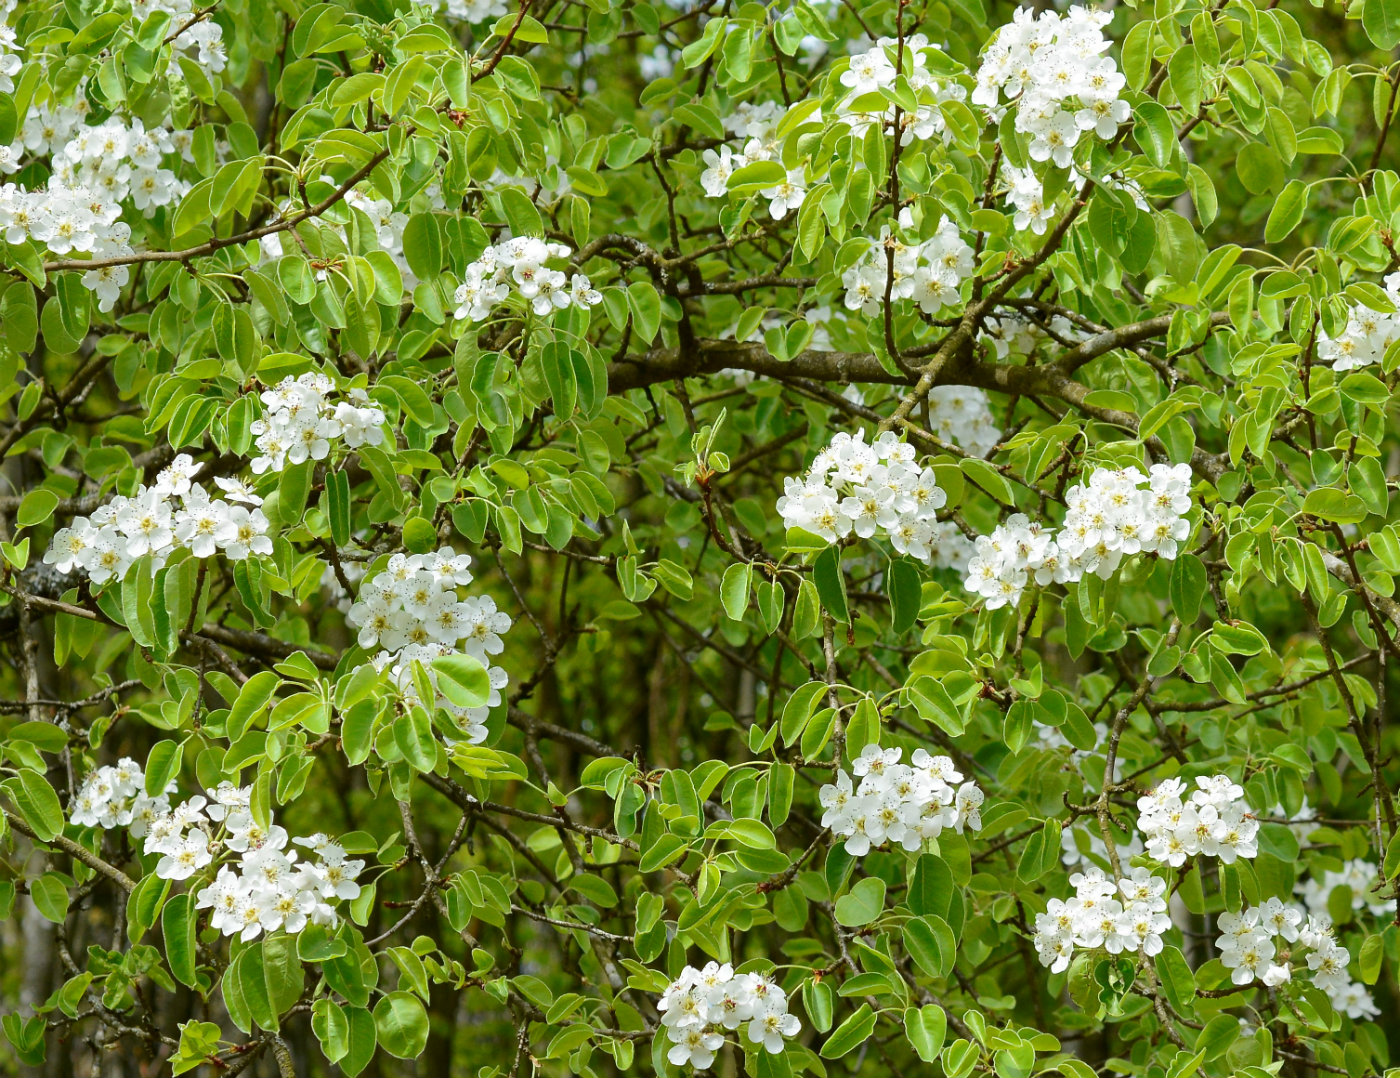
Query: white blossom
{"points": [[701, 1005]]}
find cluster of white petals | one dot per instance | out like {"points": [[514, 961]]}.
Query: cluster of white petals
{"points": [[302, 421], [414, 611], [874, 70], [1052, 67], [261, 886], [961, 416], [897, 803], [930, 273], [386, 222], [862, 105], [857, 489], [1084, 847], [115, 796], [469, 11], [94, 171], [1129, 915], [1246, 941], [1249, 948], [757, 126], [10, 61], [1358, 876], [1118, 513], [701, 1005], [1034, 211], [1011, 333], [265, 888], [517, 266], [192, 33], [174, 514], [1368, 334], [1213, 821]]}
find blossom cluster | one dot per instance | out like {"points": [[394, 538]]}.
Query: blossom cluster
{"points": [[897, 803], [1118, 513], [1246, 941], [10, 61], [700, 1005], [757, 125], [301, 421], [961, 416], [1357, 876], [1023, 189], [1053, 68], [1248, 949], [1084, 847], [263, 889], [1368, 334], [1214, 821], [929, 273], [469, 11], [855, 488], [115, 796], [413, 611], [174, 514], [193, 31], [1127, 915], [93, 172], [267, 888], [1013, 333], [861, 106], [518, 266], [874, 70]]}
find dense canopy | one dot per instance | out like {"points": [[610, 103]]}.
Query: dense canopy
{"points": [[558, 537]]}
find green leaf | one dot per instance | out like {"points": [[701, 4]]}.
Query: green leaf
{"points": [[162, 765], [1219, 1033], [282, 973], [734, 590], [422, 245], [831, 584], [1154, 133], [463, 680], [332, 1028], [245, 979], [50, 895], [36, 507], [850, 1034], [401, 1024], [926, 1027], [252, 702], [906, 595], [1381, 21], [144, 904], [1369, 960], [1287, 212], [930, 942], [864, 903], [560, 375], [419, 535], [178, 926], [521, 214], [361, 1040], [338, 507], [43, 736], [817, 998], [1187, 587], [1329, 503], [37, 803], [645, 304], [798, 710]]}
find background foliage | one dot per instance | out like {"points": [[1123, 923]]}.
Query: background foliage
{"points": [[684, 675]]}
